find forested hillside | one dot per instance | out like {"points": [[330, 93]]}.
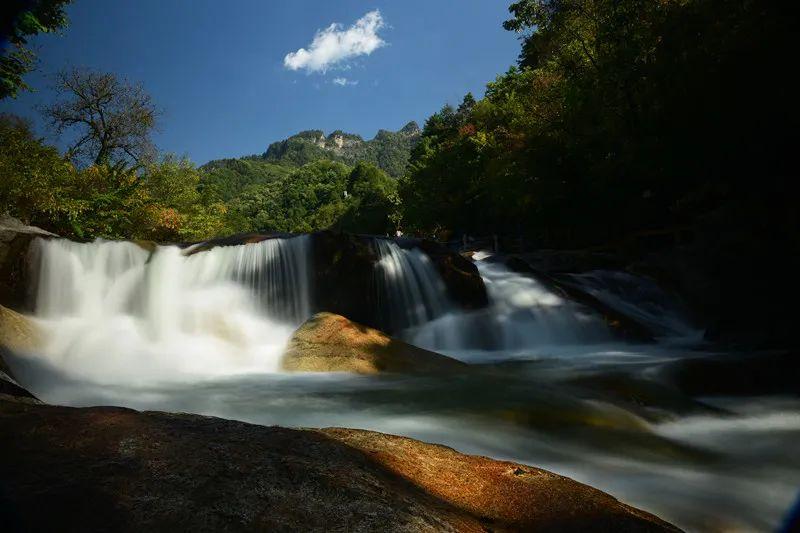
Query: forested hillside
{"points": [[620, 117], [389, 150]]}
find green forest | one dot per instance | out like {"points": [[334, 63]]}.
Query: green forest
{"points": [[620, 117]]}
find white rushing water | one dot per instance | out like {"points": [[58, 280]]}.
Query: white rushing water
{"points": [[204, 333], [115, 312], [409, 290], [522, 315]]}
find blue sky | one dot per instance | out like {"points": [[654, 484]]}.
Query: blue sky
{"points": [[221, 75]]}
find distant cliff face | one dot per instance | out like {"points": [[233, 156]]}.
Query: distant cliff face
{"points": [[389, 150]]}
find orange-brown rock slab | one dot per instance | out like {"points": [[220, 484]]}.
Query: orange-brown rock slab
{"points": [[508, 495], [114, 469]]}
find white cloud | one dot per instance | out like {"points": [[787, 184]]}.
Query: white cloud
{"points": [[336, 45], [344, 82]]}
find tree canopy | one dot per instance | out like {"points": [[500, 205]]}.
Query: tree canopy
{"points": [[25, 18], [110, 119], [621, 116]]}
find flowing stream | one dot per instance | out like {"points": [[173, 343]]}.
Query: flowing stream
{"points": [[167, 329]]}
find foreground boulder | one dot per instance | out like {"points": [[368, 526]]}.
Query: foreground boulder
{"points": [[331, 343], [106, 468]]}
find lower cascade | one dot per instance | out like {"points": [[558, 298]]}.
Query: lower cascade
{"points": [[205, 329], [522, 315]]}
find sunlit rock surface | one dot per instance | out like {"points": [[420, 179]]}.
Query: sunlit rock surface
{"points": [[106, 468], [332, 343], [17, 334]]}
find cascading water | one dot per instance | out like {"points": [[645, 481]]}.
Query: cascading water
{"points": [[409, 290], [203, 332], [275, 271], [115, 311], [522, 315]]}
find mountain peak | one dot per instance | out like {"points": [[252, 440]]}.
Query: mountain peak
{"points": [[412, 128], [389, 150]]}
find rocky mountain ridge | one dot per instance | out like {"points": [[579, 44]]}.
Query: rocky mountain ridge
{"points": [[389, 150]]}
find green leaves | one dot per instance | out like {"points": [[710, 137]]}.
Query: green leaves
{"points": [[43, 16]]}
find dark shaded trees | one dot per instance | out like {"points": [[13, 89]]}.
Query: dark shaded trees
{"points": [[21, 20], [623, 116], [372, 201]]}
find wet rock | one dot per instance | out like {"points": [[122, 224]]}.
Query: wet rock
{"points": [[648, 398], [105, 468], [344, 276], [15, 241], [332, 343], [464, 283]]}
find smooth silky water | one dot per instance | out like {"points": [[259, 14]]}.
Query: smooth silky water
{"points": [[203, 333]]}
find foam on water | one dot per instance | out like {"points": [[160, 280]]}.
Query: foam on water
{"points": [[522, 315], [114, 312]]}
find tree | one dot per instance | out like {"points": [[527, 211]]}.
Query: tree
{"points": [[26, 20], [373, 198], [33, 177], [111, 119], [177, 209]]}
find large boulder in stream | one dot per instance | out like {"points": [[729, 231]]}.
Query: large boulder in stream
{"points": [[331, 343], [115, 469]]}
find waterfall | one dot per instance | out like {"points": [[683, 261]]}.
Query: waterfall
{"points": [[114, 310], [522, 315], [275, 271], [408, 289]]}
